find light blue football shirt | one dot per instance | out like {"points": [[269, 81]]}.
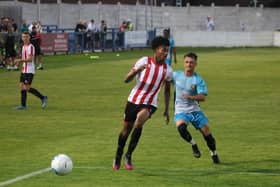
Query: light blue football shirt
{"points": [[191, 85]]}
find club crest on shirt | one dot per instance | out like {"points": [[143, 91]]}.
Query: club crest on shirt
{"points": [[193, 87]]}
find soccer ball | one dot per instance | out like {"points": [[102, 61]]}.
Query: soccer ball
{"points": [[61, 164]]}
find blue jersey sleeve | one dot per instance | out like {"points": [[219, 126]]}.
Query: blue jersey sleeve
{"points": [[175, 76], [201, 86]]}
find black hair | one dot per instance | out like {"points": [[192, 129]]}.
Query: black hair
{"points": [[158, 41], [166, 30], [191, 55]]}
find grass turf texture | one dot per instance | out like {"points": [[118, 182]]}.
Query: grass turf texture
{"points": [[84, 114]]}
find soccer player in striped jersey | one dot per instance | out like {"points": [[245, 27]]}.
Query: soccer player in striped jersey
{"points": [[151, 73], [190, 90], [27, 73]]}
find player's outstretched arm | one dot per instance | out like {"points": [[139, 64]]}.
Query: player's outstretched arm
{"points": [[132, 73], [166, 101]]}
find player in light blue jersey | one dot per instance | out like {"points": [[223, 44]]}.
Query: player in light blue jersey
{"points": [[190, 90], [171, 49]]}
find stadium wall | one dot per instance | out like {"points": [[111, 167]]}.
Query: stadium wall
{"points": [[226, 39], [276, 39], [148, 17]]}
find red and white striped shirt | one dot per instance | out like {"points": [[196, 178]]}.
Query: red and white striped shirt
{"points": [[149, 81], [28, 51]]}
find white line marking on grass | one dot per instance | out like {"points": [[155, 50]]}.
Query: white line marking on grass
{"points": [[29, 175], [39, 172]]}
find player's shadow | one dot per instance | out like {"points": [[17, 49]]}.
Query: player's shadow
{"points": [[254, 167], [266, 166]]}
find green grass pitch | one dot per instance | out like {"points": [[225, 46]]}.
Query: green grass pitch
{"points": [[84, 117]]}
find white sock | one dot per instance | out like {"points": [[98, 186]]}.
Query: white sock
{"points": [[192, 142], [213, 153]]}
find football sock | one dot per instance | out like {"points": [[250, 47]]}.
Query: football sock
{"points": [[211, 143], [23, 97], [36, 93], [121, 143], [185, 134], [134, 140]]}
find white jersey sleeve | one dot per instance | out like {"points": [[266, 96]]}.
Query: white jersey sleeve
{"points": [[142, 61]]}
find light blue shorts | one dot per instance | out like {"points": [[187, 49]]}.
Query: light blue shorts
{"points": [[197, 118]]}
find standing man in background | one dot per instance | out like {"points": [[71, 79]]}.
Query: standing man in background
{"points": [[10, 45], [35, 39], [171, 49], [210, 24]]}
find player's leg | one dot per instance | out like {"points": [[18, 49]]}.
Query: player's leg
{"points": [[35, 92], [127, 127], [23, 92], [23, 97], [181, 121], [211, 143], [129, 118], [142, 116], [200, 122]]}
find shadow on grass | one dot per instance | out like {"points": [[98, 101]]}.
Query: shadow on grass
{"points": [[257, 168]]}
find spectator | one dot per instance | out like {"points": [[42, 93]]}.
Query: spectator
{"points": [[35, 40], [4, 23], [10, 49], [24, 27], [1, 25], [122, 29], [34, 24], [97, 37], [171, 49], [80, 32], [39, 27], [103, 31], [2, 49], [129, 25], [243, 27], [15, 27], [91, 29], [210, 25]]}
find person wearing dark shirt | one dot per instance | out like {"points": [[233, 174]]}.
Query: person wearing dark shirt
{"points": [[81, 33], [10, 49], [35, 39]]}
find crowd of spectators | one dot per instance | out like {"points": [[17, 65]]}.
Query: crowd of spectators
{"points": [[91, 35], [10, 42]]}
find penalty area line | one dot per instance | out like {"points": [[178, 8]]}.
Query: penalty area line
{"points": [[29, 175]]}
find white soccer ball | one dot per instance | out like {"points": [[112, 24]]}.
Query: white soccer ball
{"points": [[61, 164]]}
